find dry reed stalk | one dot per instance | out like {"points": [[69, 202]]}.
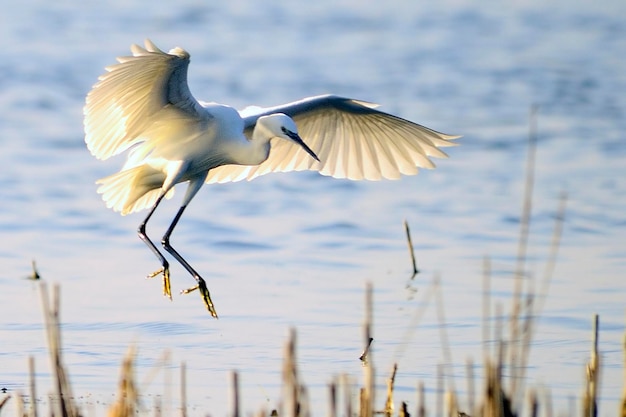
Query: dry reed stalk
{"points": [[363, 357], [404, 410], [557, 234], [486, 306], [347, 389], [534, 308], [390, 384], [534, 403], [590, 404], [368, 393], [439, 399], [127, 401], [497, 404], [235, 394], [421, 400], [5, 400], [332, 410], [305, 410], [451, 404], [19, 404], [294, 402], [362, 402], [526, 304], [488, 407], [64, 399], [514, 359], [523, 345], [411, 250], [492, 395], [469, 366], [35, 274], [623, 411], [33, 392]]}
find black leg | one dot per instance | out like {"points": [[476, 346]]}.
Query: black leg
{"points": [[165, 266], [204, 292]]}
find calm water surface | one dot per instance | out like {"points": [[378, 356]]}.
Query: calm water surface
{"points": [[297, 250]]}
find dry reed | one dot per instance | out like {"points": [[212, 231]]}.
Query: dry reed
{"points": [[411, 250], [495, 399]]}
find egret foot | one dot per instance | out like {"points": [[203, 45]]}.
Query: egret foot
{"points": [[206, 295], [167, 288], [188, 290]]}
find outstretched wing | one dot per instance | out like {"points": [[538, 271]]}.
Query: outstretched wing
{"points": [[352, 139], [125, 100]]}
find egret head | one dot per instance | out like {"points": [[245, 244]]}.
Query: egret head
{"points": [[282, 126]]}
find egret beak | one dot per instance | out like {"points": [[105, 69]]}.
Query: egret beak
{"points": [[296, 138]]}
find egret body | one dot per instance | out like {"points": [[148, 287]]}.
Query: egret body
{"points": [[143, 104]]}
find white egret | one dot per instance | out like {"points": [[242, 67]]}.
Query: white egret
{"points": [[144, 103]]}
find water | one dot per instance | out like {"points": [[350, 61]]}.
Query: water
{"points": [[296, 250]]}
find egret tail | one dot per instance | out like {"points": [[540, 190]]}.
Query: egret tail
{"points": [[133, 189]]}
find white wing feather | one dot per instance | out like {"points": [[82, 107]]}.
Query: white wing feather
{"points": [[351, 139], [124, 102]]}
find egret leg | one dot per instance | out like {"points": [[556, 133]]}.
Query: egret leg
{"points": [[204, 291], [165, 266]]}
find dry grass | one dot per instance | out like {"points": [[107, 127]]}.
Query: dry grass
{"points": [[496, 396], [495, 399]]}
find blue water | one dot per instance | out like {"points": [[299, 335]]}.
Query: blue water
{"points": [[295, 250]]}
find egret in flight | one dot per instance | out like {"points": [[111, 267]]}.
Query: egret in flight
{"points": [[143, 104]]}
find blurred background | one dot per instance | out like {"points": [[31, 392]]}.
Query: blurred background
{"points": [[295, 250]]}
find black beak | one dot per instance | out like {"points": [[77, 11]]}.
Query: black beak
{"points": [[296, 138]]}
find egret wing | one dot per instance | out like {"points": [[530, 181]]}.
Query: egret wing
{"points": [[125, 100], [351, 138]]}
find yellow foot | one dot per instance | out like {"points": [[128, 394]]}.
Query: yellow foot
{"points": [[188, 290], [167, 288], [206, 296]]}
